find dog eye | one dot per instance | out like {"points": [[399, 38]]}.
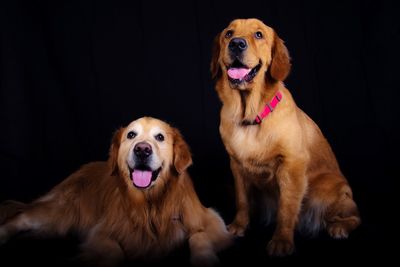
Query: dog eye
{"points": [[131, 135], [159, 137], [229, 34], [258, 35]]}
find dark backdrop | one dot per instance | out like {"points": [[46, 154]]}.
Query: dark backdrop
{"points": [[74, 71]]}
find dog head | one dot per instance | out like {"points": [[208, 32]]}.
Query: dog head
{"points": [[245, 50], [147, 153]]}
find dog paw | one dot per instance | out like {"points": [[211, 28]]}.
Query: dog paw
{"points": [[280, 247], [236, 229], [207, 260], [3, 236], [337, 231]]}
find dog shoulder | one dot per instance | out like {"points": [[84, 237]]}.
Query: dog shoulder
{"points": [[86, 182]]}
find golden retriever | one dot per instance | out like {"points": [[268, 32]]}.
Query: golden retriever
{"points": [[140, 204], [279, 157]]}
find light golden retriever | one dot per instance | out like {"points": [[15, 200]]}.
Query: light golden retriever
{"points": [[279, 157], [140, 204]]}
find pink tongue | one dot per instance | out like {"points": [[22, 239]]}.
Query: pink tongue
{"points": [[141, 178], [238, 73]]}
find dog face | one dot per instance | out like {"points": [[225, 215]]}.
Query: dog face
{"points": [[147, 153], [246, 49]]}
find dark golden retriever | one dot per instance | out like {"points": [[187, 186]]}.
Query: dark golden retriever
{"points": [[276, 151], [140, 204]]}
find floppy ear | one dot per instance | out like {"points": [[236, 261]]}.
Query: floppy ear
{"points": [[182, 155], [280, 64], [214, 66], [113, 153]]}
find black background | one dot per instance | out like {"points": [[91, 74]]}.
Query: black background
{"points": [[74, 71]]}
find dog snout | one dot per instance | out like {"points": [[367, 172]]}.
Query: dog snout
{"points": [[143, 150], [237, 45]]}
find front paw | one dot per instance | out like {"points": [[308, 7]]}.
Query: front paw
{"points": [[3, 236], [280, 247], [204, 259], [237, 229]]}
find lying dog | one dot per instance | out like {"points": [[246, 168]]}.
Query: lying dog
{"points": [[141, 203], [276, 151]]}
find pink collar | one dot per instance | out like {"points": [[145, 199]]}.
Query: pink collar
{"points": [[269, 107]]}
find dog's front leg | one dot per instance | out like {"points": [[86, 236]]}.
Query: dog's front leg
{"points": [[292, 186], [239, 224], [201, 250], [99, 249]]}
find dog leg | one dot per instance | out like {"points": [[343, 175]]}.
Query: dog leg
{"points": [[100, 250], [342, 215], [9, 209], [37, 218], [292, 186], [333, 194], [4, 235], [20, 223], [208, 236], [239, 224], [202, 251], [13, 225]]}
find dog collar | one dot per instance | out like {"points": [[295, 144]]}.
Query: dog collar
{"points": [[269, 107]]}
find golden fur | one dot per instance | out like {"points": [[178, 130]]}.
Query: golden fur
{"points": [[285, 160], [118, 220]]}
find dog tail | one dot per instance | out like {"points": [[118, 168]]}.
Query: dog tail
{"points": [[9, 209]]}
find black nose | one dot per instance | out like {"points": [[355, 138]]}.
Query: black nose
{"points": [[142, 150], [237, 45]]}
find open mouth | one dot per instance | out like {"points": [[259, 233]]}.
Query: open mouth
{"points": [[143, 176], [238, 72]]}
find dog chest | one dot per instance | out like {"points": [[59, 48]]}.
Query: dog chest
{"points": [[153, 238], [246, 143]]}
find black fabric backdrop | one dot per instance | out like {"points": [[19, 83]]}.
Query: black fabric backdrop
{"points": [[74, 71]]}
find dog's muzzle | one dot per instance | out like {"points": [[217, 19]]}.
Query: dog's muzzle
{"points": [[141, 173], [238, 72]]}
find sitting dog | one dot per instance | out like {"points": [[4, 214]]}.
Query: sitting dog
{"points": [[140, 204], [278, 155]]}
